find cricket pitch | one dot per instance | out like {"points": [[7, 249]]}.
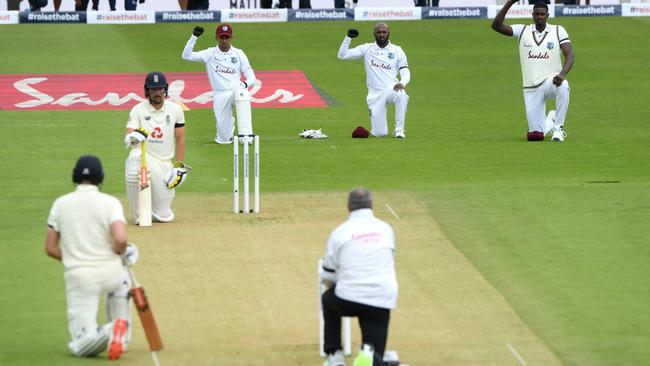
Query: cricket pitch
{"points": [[231, 289]]}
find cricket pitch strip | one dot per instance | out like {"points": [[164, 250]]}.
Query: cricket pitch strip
{"points": [[231, 289]]}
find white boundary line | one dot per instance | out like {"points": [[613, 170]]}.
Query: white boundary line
{"points": [[155, 358], [516, 354], [391, 211]]}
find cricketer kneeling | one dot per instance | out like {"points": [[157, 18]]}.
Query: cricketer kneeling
{"points": [[88, 339]]}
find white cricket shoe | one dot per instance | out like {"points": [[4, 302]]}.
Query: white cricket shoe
{"points": [[558, 134], [549, 122], [216, 139], [336, 359], [400, 134]]}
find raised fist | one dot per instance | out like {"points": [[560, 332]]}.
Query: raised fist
{"points": [[353, 33], [197, 31]]}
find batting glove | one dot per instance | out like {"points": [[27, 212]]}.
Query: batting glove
{"points": [[352, 33], [197, 31], [135, 137], [177, 175], [131, 254]]}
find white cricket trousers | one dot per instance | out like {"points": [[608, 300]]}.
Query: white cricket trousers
{"points": [[378, 100], [535, 100], [225, 121], [85, 287], [222, 104]]}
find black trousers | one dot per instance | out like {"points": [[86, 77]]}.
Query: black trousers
{"points": [[372, 320]]}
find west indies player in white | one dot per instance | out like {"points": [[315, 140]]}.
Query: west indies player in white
{"points": [[225, 65], [383, 60], [543, 72]]}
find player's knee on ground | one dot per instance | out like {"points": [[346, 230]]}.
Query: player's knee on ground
{"points": [[163, 218], [90, 342]]}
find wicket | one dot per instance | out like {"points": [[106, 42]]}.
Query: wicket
{"points": [[256, 172]]}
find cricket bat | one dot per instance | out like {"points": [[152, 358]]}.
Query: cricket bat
{"points": [[144, 197], [146, 315]]}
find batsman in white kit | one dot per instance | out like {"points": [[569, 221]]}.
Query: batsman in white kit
{"points": [[159, 125], [541, 47], [383, 60], [86, 231], [225, 66]]}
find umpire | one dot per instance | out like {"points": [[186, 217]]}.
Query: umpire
{"points": [[360, 268]]}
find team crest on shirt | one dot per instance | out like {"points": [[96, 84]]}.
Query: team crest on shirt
{"points": [[391, 55], [168, 119], [233, 60], [550, 45]]}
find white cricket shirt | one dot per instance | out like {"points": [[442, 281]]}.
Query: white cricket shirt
{"points": [[382, 64], [160, 124], [362, 251], [83, 220], [539, 52], [224, 68]]}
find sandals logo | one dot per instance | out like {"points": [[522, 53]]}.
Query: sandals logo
{"points": [[274, 89]]}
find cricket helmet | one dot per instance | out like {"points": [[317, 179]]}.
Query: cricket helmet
{"points": [[155, 79], [88, 168]]}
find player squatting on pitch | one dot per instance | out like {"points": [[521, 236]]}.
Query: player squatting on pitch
{"points": [[86, 231], [382, 60], [161, 123], [359, 267], [542, 70], [225, 66]]}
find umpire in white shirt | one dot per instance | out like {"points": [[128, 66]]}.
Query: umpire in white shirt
{"points": [[359, 266], [383, 60]]}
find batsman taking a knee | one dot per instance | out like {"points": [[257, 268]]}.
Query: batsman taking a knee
{"points": [[160, 125]]}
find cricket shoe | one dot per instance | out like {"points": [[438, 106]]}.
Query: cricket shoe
{"points": [[335, 359], [116, 342], [400, 134], [549, 122], [558, 134], [216, 139]]}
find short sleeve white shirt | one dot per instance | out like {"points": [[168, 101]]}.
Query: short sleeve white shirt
{"points": [[225, 69], [518, 28], [83, 220], [361, 251], [161, 125], [381, 64]]}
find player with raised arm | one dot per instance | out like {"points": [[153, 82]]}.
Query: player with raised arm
{"points": [[383, 60], [541, 47], [225, 65]]}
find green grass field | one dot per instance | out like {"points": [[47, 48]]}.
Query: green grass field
{"points": [[559, 230]]}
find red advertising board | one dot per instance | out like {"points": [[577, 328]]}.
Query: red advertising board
{"points": [[275, 89]]}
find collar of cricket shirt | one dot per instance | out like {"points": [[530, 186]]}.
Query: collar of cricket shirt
{"points": [[362, 212], [87, 187]]}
